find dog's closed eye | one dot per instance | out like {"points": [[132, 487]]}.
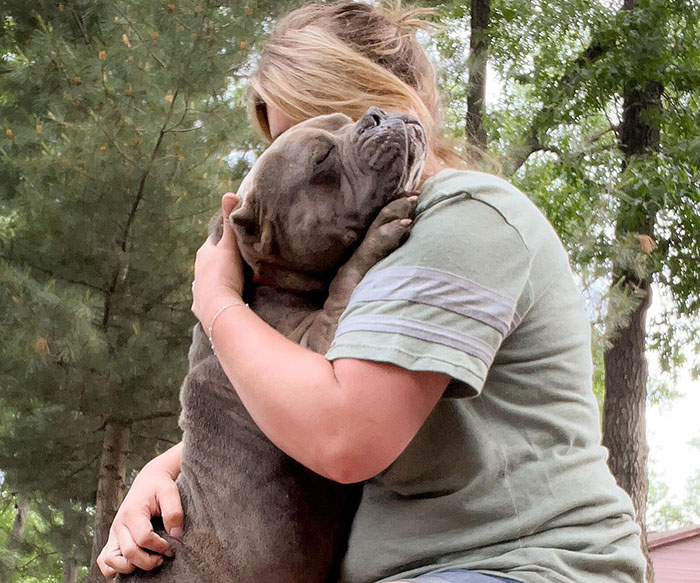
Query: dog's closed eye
{"points": [[325, 170], [324, 155]]}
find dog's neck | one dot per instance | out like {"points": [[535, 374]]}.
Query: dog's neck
{"points": [[260, 280], [275, 305], [292, 281]]}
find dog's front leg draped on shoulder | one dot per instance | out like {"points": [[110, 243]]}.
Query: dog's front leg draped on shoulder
{"points": [[384, 235]]}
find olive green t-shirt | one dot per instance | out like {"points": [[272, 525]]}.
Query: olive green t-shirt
{"points": [[507, 475]]}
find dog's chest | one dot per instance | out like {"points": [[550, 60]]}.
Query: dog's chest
{"points": [[209, 403], [281, 309]]}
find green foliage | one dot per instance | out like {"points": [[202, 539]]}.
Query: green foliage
{"points": [[118, 120], [53, 348], [32, 558], [557, 130], [565, 69], [660, 392], [664, 513]]}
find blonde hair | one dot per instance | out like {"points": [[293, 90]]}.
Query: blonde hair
{"points": [[345, 57]]}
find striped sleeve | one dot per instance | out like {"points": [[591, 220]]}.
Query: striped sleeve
{"points": [[445, 300]]}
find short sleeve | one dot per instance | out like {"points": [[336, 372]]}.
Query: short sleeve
{"points": [[445, 300]]}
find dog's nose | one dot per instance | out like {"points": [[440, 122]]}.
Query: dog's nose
{"points": [[372, 118], [376, 114]]}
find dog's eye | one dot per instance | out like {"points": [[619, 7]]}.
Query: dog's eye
{"points": [[323, 156], [325, 171]]}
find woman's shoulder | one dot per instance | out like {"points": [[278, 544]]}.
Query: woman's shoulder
{"points": [[487, 188], [456, 179], [484, 202]]}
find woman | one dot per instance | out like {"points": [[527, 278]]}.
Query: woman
{"points": [[459, 382]]}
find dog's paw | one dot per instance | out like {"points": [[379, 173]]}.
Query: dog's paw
{"points": [[390, 227]]}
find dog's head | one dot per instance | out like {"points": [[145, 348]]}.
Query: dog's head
{"points": [[312, 194]]}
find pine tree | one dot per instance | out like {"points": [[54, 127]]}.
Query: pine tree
{"points": [[118, 123]]}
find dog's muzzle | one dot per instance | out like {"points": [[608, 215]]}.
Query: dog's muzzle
{"points": [[383, 137]]}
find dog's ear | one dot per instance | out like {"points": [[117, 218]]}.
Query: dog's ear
{"points": [[246, 217], [267, 237]]}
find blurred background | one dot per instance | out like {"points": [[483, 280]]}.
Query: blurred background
{"points": [[121, 125]]}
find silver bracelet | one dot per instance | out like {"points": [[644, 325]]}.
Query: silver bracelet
{"points": [[218, 313]]}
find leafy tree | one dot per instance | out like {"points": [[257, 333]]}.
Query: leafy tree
{"points": [[665, 514], [26, 551], [596, 122], [595, 125]]}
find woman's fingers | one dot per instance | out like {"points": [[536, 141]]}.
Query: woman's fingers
{"points": [[228, 202], [140, 529], [171, 509], [111, 561], [145, 538], [115, 565], [218, 270], [133, 553], [107, 571]]}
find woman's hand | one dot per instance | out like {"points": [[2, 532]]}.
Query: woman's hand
{"points": [[131, 536], [218, 270]]}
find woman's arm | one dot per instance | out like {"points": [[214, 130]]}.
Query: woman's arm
{"points": [[153, 493], [170, 460], [347, 420]]}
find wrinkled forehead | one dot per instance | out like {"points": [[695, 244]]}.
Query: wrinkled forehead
{"points": [[334, 123]]}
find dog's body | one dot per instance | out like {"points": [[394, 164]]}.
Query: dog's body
{"points": [[252, 513]]}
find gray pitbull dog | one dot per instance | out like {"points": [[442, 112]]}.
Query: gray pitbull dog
{"points": [[320, 207]]}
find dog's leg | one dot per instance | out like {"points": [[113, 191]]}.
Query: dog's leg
{"points": [[383, 236]]}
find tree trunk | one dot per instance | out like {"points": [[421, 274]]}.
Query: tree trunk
{"points": [[20, 523], [478, 57], [624, 414], [111, 486], [70, 570]]}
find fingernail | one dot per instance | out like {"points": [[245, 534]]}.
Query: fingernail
{"points": [[413, 198], [176, 532], [406, 221]]}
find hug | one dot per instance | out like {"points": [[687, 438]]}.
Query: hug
{"points": [[381, 387]]}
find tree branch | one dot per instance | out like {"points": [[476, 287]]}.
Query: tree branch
{"points": [[138, 35], [545, 118], [157, 415], [26, 263], [120, 272], [84, 466]]}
